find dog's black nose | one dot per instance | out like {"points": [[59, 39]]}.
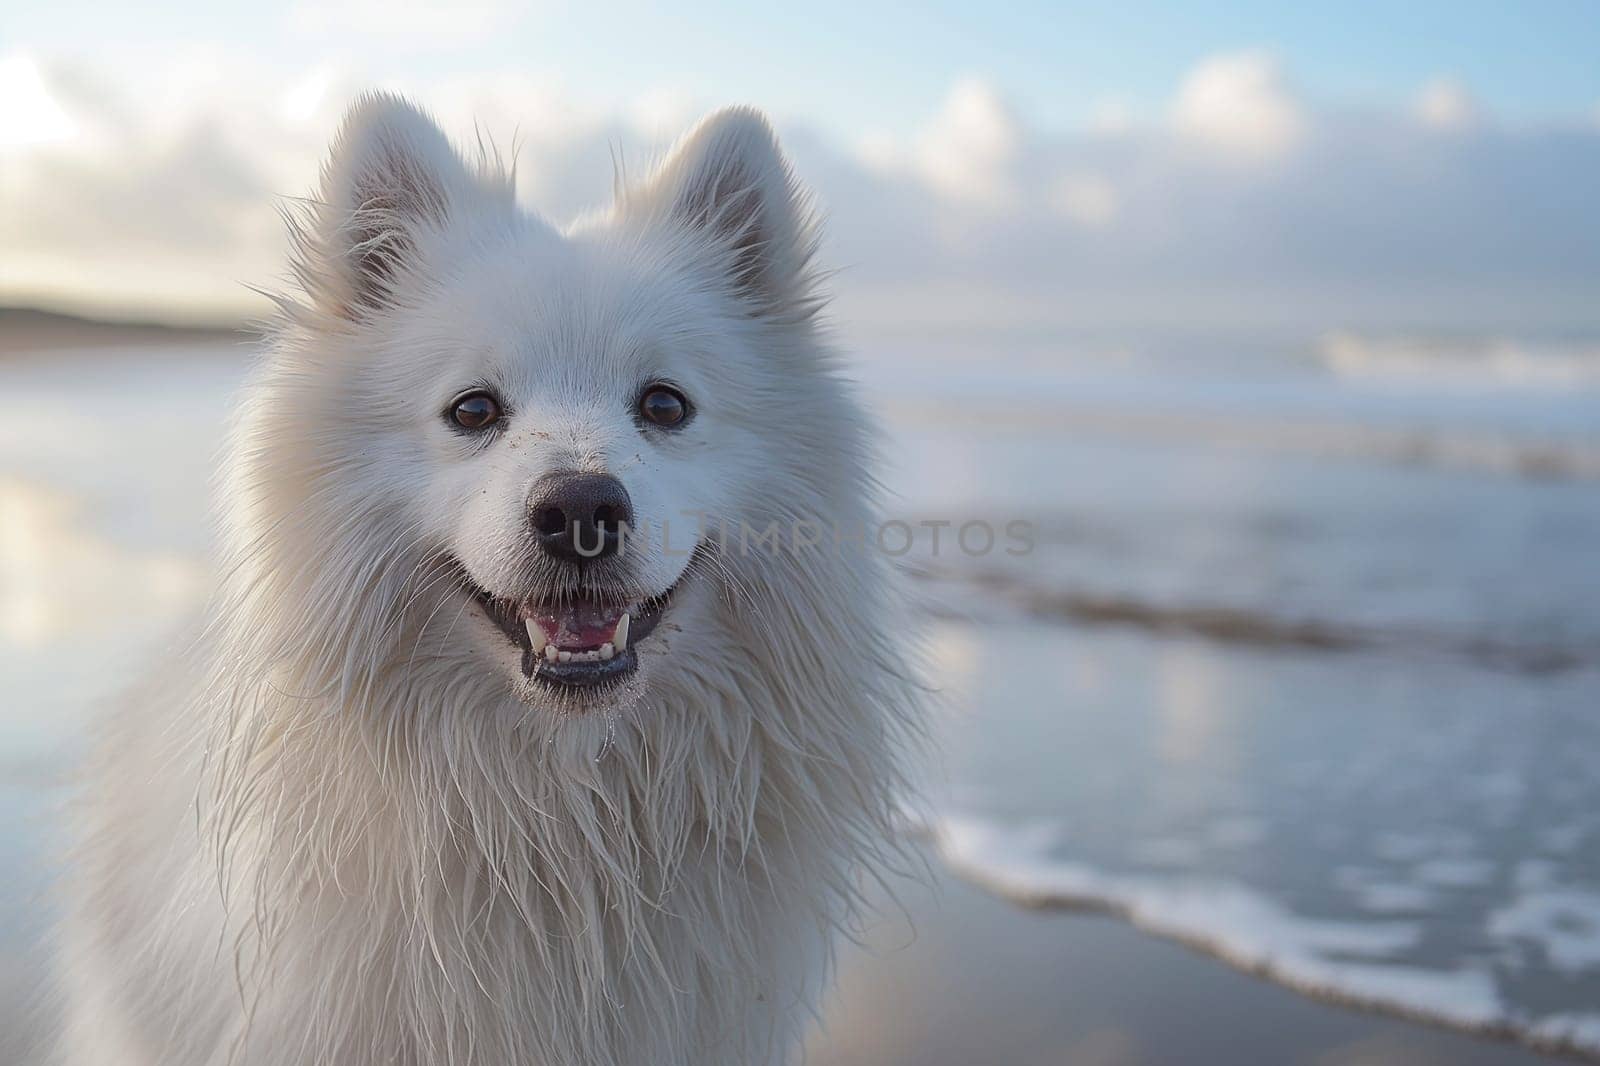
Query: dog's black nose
{"points": [[579, 516]]}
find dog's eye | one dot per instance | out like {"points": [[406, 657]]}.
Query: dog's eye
{"points": [[475, 410], [663, 405]]}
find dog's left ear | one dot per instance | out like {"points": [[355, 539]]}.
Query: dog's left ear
{"points": [[728, 185]]}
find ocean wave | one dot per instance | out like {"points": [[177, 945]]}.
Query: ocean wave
{"points": [[1554, 456], [1242, 625], [1349, 962], [1472, 363]]}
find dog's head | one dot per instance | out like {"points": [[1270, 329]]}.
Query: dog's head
{"points": [[530, 447]]}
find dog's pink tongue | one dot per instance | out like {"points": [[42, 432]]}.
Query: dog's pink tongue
{"points": [[583, 624]]}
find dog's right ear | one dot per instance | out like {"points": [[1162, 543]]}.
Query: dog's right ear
{"points": [[391, 180]]}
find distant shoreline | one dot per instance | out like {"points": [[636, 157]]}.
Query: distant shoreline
{"points": [[34, 329]]}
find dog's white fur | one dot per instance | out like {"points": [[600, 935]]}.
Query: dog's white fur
{"points": [[344, 829]]}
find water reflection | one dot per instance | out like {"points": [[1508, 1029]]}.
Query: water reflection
{"points": [[63, 582]]}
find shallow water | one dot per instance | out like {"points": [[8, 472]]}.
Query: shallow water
{"points": [[1303, 668], [1326, 708]]}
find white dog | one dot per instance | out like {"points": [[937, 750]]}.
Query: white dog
{"points": [[547, 711]]}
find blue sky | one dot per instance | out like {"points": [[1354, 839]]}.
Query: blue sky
{"points": [[853, 67]]}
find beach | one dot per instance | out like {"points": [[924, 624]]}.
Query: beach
{"points": [[1275, 744], [964, 979]]}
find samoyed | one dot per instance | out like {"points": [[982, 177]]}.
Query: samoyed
{"points": [[548, 709]]}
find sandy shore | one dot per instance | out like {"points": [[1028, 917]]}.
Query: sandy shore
{"points": [[25, 329], [1180, 721], [975, 981]]}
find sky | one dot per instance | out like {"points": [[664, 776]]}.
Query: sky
{"points": [[1000, 167]]}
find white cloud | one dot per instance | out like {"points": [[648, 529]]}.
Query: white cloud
{"points": [[1111, 117], [1446, 104], [165, 198], [968, 151], [662, 113], [1087, 199], [307, 96], [31, 115], [1240, 104]]}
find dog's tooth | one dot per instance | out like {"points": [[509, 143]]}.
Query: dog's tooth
{"points": [[607, 650], [550, 653], [565, 656], [619, 639], [536, 636]]}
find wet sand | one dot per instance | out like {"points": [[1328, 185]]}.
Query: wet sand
{"points": [[961, 978], [975, 981]]}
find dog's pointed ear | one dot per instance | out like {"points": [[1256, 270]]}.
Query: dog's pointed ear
{"points": [[728, 185], [391, 178]]}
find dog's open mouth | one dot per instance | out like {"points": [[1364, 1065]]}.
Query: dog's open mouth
{"points": [[577, 640]]}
